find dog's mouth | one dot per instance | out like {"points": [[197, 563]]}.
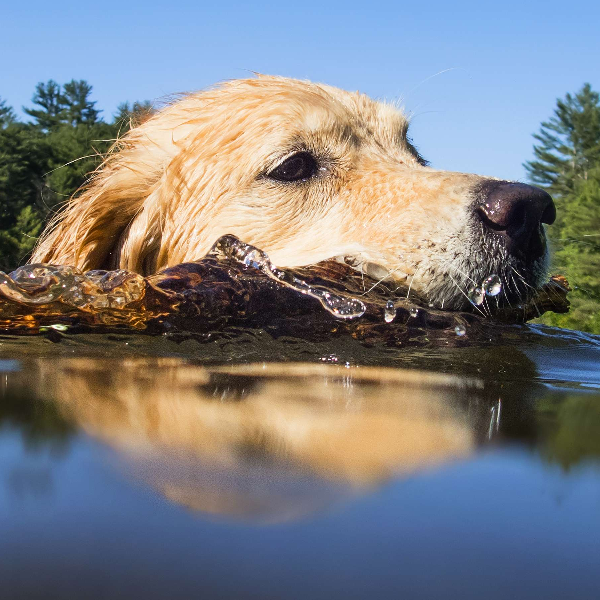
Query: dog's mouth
{"points": [[492, 278], [508, 245], [237, 285], [489, 274]]}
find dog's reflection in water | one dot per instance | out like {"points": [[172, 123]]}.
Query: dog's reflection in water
{"points": [[268, 442]]}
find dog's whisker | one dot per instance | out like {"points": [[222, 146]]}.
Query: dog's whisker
{"points": [[410, 284], [465, 275], [466, 295], [389, 273]]}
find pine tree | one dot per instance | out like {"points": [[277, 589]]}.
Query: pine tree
{"points": [[17, 242], [577, 255], [7, 115], [49, 97], [569, 143], [568, 165], [44, 162], [79, 109], [23, 161]]}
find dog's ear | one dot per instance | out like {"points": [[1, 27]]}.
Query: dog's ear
{"points": [[91, 230]]}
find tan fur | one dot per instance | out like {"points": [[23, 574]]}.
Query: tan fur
{"points": [[196, 171]]}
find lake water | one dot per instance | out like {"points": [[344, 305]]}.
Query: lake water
{"points": [[253, 467]]}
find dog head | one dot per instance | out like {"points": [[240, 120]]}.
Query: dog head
{"points": [[306, 172]]}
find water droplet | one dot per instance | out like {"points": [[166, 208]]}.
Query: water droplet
{"points": [[492, 285], [460, 330], [389, 314], [338, 306], [231, 247], [476, 295], [253, 259], [413, 312]]}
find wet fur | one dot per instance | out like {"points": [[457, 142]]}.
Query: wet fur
{"points": [[198, 169]]}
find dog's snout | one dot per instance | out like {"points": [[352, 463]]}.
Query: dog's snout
{"points": [[517, 211]]}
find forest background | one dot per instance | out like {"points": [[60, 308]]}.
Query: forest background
{"points": [[47, 157]]}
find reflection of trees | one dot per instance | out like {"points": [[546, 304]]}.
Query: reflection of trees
{"points": [[280, 440], [39, 421], [570, 426]]}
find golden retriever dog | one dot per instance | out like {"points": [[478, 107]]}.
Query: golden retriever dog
{"points": [[306, 172]]}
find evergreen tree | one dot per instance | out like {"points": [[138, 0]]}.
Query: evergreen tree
{"points": [[17, 242], [45, 162], [23, 160], [569, 143], [75, 152], [79, 109], [73, 137], [7, 115], [577, 255], [48, 96], [568, 165]]}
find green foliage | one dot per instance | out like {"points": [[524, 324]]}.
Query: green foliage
{"points": [[569, 143], [570, 427], [75, 152], [23, 152], [44, 162], [18, 241], [58, 106], [577, 255], [78, 108], [50, 100], [568, 166], [7, 115]]}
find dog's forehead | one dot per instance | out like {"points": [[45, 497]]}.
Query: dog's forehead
{"points": [[354, 113], [317, 108]]}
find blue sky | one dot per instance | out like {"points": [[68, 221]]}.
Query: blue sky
{"points": [[479, 77]]}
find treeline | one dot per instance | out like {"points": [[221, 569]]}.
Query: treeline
{"points": [[45, 160], [567, 164]]}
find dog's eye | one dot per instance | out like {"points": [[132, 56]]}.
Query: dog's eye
{"points": [[298, 167]]}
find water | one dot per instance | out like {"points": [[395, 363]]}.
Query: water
{"points": [[256, 468], [263, 462], [340, 306], [389, 313], [492, 285], [476, 295]]}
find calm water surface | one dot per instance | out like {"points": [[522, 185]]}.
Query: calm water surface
{"points": [[133, 466]]}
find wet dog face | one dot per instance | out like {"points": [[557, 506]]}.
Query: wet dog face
{"points": [[305, 172]]}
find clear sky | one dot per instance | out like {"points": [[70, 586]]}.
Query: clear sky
{"points": [[479, 77]]}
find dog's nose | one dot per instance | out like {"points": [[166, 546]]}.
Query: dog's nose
{"points": [[517, 211]]}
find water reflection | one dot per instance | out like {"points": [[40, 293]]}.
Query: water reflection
{"points": [[263, 440], [156, 478], [277, 441]]}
